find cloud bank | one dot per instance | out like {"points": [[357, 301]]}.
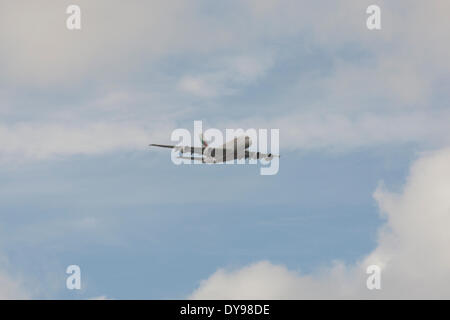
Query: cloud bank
{"points": [[412, 251], [43, 141], [336, 84]]}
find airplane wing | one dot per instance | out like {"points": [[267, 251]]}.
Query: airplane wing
{"points": [[259, 155], [191, 158], [184, 149]]}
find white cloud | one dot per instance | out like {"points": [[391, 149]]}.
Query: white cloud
{"points": [[412, 251], [11, 287], [264, 280], [29, 141], [38, 49], [201, 86], [229, 75], [341, 131]]}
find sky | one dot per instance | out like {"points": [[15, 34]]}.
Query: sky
{"points": [[364, 173]]}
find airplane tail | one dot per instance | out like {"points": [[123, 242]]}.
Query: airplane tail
{"points": [[202, 139]]}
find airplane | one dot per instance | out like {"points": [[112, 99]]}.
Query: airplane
{"points": [[236, 148]]}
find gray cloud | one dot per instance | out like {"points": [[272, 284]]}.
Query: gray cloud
{"points": [[380, 87]]}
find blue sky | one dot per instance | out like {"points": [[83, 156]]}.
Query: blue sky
{"points": [[78, 184], [140, 227]]}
